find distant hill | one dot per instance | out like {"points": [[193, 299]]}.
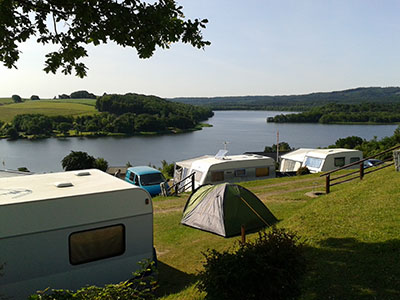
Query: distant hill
{"points": [[298, 102]]}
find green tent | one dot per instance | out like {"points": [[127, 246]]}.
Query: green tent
{"points": [[223, 209]]}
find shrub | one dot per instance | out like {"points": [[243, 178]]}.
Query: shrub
{"points": [[142, 287], [101, 164], [268, 268], [167, 169], [35, 97], [16, 98], [302, 171], [77, 160]]}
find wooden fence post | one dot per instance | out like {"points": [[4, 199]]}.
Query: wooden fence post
{"points": [[327, 184], [361, 171], [243, 234]]}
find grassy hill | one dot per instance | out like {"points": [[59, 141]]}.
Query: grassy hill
{"points": [[71, 107], [298, 102], [352, 237]]}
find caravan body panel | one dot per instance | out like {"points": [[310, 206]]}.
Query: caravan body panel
{"points": [[319, 160], [233, 168], [44, 231]]}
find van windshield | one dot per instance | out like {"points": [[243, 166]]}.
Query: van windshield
{"points": [[151, 179]]}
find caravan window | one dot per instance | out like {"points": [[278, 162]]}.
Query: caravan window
{"points": [[217, 176], [262, 172], [289, 165], [313, 162], [339, 161], [354, 159], [240, 173], [197, 175], [96, 244]]}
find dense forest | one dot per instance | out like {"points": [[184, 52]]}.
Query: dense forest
{"points": [[118, 114], [298, 102], [344, 113]]}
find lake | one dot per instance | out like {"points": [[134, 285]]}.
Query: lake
{"points": [[242, 130]]}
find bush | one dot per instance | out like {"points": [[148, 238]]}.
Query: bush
{"points": [[268, 268], [77, 160], [142, 287], [35, 97], [303, 171], [167, 169], [16, 98], [101, 164]]}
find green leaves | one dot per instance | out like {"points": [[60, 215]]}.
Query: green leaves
{"points": [[130, 23]]}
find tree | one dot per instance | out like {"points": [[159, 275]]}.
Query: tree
{"points": [[77, 160], [64, 127], [16, 98], [283, 146], [101, 164], [349, 142], [132, 23], [82, 95], [35, 97]]}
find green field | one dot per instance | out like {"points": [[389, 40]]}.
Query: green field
{"points": [[70, 107], [5, 101], [352, 237]]}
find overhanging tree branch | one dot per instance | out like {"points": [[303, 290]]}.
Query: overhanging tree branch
{"points": [[129, 23]]}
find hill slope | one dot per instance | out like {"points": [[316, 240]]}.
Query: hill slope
{"points": [[352, 237], [299, 102]]}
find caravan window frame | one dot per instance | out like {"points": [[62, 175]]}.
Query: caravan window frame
{"points": [[339, 161], [77, 257]]}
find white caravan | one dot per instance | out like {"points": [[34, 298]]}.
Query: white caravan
{"points": [[225, 168], [319, 160], [71, 229]]}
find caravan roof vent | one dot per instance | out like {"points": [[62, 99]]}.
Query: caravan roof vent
{"points": [[63, 184], [82, 173]]}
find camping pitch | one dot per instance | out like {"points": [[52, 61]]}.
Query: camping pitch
{"points": [[224, 208]]}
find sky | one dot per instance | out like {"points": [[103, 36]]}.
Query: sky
{"points": [[258, 47]]}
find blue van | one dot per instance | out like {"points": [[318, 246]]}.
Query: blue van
{"points": [[146, 177]]}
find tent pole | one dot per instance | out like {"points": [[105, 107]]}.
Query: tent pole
{"points": [[243, 232]]}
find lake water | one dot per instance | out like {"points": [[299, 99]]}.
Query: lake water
{"points": [[242, 130]]}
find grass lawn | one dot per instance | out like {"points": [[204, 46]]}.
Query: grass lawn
{"points": [[47, 107], [351, 235], [6, 101]]}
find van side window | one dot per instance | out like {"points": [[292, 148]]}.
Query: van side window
{"points": [[137, 180], [354, 159], [217, 176], [95, 244], [339, 161], [262, 172], [131, 175]]}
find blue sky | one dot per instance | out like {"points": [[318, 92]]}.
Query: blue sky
{"points": [[259, 47]]}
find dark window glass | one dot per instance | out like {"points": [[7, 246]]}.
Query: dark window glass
{"points": [[151, 179], [217, 176], [95, 244], [339, 161]]}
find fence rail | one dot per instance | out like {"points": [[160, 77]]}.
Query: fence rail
{"points": [[360, 173], [181, 186]]}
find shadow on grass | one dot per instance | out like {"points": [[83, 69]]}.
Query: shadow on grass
{"points": [[349, 269], [171, 280]]}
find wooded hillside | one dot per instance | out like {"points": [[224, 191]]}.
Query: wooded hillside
{"points": [[298, 102]]}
